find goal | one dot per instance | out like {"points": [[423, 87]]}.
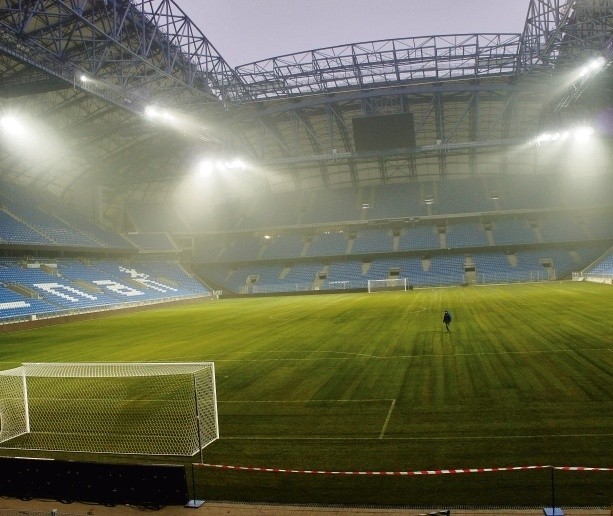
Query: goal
{"points": [[113, 408], [378, 285]]}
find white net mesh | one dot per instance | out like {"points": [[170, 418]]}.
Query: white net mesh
{"points": [[387, 284], [123, 408]]}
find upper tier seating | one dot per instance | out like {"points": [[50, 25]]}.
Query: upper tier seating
{"points": [[465, 234], [461, 196], [154, 242], [419, 237], [331, 206], [513, 231], [561, 227], [395, 201], [155, 218], [284, 246], [372, 240], [493, 194], [13, 231], [33, 220], [328, 244], [243, 247]]}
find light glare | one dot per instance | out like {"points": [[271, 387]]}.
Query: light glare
{"points": [[580, 133], [583, 133], [12, 125]]}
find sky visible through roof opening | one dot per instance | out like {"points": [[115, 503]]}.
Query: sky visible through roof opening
{"points": [[243, 31]]}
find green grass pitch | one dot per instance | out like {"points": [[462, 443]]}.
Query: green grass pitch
{"points": [[373, 382]]}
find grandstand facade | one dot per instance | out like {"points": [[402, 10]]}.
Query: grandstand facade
{"points": [[443, 159]]}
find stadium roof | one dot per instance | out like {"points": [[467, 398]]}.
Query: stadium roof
{"points": [[131, 96]]}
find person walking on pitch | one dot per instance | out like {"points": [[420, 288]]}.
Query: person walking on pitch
{"points": [[447, 319]]}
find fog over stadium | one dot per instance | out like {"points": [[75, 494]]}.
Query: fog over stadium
{"points": [[334, 253]]}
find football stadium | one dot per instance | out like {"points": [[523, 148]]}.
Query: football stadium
{"points": [[228, 283]]}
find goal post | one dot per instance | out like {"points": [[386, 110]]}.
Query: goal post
{"points": [[379, 285], [109, 407]]}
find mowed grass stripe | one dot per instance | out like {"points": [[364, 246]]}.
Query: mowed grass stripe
{"points": [[306, 419]]}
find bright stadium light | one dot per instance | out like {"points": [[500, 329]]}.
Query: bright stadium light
{"points": [[582, 133], [157, 114], [151, 112], [12, 126], [206, 166], [221, 165], [579, 133], [594, 66], [237, 164]]}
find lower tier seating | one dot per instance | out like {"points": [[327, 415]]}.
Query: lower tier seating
{"points": [[35, 289]]}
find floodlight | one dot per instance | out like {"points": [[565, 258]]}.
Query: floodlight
{"points": [[12, 126], [155, 113], [151, 111], [237, 163], [167, 117], [597, 64], [594, 66], [583, 132], [84, 78], [205, 167], [543, 137], [209, 165]]}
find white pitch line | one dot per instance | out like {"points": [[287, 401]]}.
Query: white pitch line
{"points": [[393, 357], [442, 438], [387, 419], [307, 401]]}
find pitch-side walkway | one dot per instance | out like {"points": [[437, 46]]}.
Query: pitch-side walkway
{"points": [[14, 507]]}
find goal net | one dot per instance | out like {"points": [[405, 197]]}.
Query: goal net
{"points": [[378, 285], [115, 408]]}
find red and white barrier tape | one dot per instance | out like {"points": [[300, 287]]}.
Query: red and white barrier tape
{"points": [[400, 473]]}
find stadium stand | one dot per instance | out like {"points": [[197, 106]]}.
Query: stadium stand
{"points": [[154, 218], [29, 219], [387, 229], [328, 244], [419, 237], [508, 225], [14, 306], [465, 234], [561, 227], [461, 196], [513, 231], [52, 287], [243, 247], [394, 201], [13, 231], [345, 275], [528, 192], [372, 241], [603, 266], [287, 245], [278, 211], [326, 206], [152, 242]]}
